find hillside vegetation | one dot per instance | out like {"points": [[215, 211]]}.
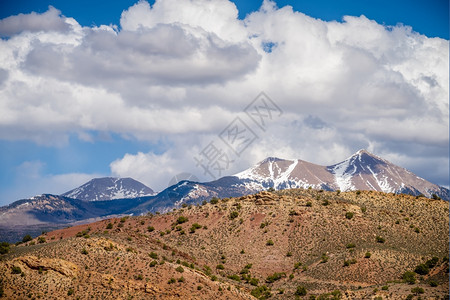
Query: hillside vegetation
{"points": [[288, 244]]}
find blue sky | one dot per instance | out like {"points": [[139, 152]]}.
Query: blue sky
{"points": [[49, 148], [427, 17]]}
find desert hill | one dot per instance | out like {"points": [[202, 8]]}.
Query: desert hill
{"points": [[277, 245]]}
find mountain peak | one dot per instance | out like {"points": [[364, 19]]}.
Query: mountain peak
{"points": [[108, 188], [270, 159]]}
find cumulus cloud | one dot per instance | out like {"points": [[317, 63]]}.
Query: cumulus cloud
{"points": [[187, 68], [51, 20]]}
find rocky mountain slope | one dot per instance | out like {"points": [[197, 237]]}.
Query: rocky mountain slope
{"points": [[271, 245], [109, 188]]}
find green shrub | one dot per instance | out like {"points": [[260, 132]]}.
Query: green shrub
{"points": [[380, 239], [179, 269], [139, 277], [4, 247], [214, 200], [269, 243], [16, 270], [234, 277], [220, 267], [84, 251], [181, 220], [153, 255], [275, 276], [367, 255], [417, 290], [422, 269], [289, 254], [431, 263], [409, 277], [41, 240], [27, 238], [261, 292], [233, 215], [150, 228], [433, 283], [325, 202], [350, 245], [109, 226], [297, 265], [324, 258], [301, 291], [194, 227], [253, 281], [349, 215], [153, 263], [70, 292], [172, 280], [385, 287]]}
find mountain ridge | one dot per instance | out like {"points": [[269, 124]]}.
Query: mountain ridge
{"points": [[109, 188]]}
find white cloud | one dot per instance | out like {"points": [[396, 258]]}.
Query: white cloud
{"points": [[51, 20], [187, 68]]}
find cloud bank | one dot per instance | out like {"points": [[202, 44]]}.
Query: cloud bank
{"points": [[183, 70]]}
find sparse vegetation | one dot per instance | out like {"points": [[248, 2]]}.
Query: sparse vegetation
{"points": [[349, 215], [315, 251]]}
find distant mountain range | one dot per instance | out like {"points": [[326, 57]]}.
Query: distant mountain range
{"points": [[103, 197]]}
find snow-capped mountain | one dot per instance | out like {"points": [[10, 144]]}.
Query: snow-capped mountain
{"points": [[109, 188], [361, 171]]}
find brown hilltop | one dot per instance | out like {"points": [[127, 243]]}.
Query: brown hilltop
{"points": [[282, 240]]}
